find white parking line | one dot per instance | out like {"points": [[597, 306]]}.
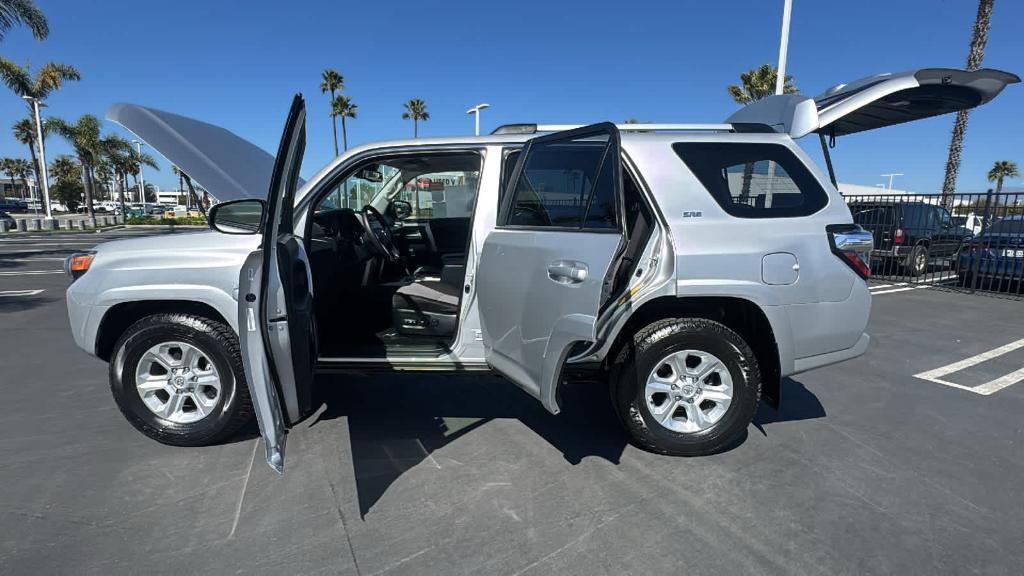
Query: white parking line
{"points": [[899, 290], [26, 272], [20, 292], [987, 388]]}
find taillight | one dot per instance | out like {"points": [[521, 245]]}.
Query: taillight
{"points": [[78, 264], [897, 238], [853, 245]]}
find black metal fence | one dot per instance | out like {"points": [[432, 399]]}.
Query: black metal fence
{"points": [[966, 242]]}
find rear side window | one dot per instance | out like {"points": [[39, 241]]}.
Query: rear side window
{"points": [[566, 184], [873, 215], [754, 180]]}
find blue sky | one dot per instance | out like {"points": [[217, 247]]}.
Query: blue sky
{"points": [[237, 64]]}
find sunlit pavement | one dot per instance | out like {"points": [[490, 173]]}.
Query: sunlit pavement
{"points": [[866, 468]]}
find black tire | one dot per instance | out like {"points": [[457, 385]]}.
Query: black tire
{"points": [[219, 343], [636, 360], [917, 261]]}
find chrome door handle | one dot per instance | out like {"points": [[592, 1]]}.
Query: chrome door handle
{"points": [[567, 271]]}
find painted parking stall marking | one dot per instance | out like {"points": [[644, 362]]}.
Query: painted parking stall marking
{"points": [[988, 388], [14, 293]]}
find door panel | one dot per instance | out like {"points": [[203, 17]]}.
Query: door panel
{"points": [[276, 316], [543, 271], [529, 316]]}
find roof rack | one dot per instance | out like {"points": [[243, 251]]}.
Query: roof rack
{"points": [[536, 128]]}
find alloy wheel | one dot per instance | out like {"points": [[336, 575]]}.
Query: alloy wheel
{"points": [[689, 391], [178, 382]]}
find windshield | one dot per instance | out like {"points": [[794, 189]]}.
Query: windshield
{"points": [[434, 185]]}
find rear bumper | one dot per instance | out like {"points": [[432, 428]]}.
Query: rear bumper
{"points": [[890, 253], [812, 362]]}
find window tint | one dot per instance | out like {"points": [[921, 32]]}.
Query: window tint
{"points": [[566, 184], [754, 180]]}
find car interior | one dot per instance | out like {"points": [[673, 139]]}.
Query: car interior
{"points": [[388, 275]]}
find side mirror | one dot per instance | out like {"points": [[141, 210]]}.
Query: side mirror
{"points": [[238, 216], [401, 209]]}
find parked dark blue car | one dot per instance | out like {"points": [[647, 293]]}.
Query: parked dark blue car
{"points": [[999, 252]]}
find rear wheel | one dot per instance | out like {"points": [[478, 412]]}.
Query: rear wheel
{"points": [[686, 387], [178, 379], [917, 260]]}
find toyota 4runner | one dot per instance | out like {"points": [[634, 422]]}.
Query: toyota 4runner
{"points": [[693, 266]]}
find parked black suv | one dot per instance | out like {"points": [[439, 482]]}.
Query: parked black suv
{"points": [[910, 234]]}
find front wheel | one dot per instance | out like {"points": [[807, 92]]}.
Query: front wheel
{"points": [[179, 379], [686, 387]]}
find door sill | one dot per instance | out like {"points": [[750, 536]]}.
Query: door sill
{"points": [[398, 364]]}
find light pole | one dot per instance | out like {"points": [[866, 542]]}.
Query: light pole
{"points": [[891, 176], [33, 104], [780, 80], [475, 111], [142, 181]]}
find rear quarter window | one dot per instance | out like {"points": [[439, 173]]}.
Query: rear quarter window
{"points": [[751, 180]]}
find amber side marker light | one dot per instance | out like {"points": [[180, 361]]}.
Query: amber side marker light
{"points": [[78, 264]]}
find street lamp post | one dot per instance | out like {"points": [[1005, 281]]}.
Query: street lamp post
{"points": [[475, 111], [780, 79], [891, 176], [142, 181], [43, 179]]}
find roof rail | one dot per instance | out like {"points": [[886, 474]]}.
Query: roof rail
{"points": [[535, 128]]}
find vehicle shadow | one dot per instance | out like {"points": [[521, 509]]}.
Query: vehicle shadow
{"points": [[397, 422]]}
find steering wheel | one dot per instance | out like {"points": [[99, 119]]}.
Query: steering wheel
{"points": [[380, 233]]}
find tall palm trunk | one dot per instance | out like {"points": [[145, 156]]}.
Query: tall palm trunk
{"points": [[87, 184], [415, 128], [121, 192], [344, 133], [979, 38], [14, 187], [334, 125], [999, 185]]}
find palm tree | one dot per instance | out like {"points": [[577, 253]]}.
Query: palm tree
{"points": [[976, 53], [84, 137], [344, 106], [125, 160], [23, 169], [1002, 169], [65, 169], [415, 110], [8, 166], [755, 84], [19, 79], [758, 83], [14, 12], [331, 81], [25, 132]]}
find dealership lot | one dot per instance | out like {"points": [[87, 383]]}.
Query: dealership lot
{"points": [[906, 460]]}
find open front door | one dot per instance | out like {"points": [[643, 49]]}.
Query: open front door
{"points": [[877, 101], [543, 270], [275, 304]]}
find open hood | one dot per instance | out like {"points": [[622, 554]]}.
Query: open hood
{"points": [[228, 166], [877, 101]]}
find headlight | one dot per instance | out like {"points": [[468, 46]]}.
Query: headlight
{"points": [[78, 264]]}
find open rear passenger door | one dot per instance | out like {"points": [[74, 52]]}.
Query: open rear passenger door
{"points": [[543, 271], [877, 101], [275, 304]]}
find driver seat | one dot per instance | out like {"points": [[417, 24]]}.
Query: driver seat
{"points": [[426, 307]]}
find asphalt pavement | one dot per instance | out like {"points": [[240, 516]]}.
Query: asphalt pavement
{"points": [[892, 463]]}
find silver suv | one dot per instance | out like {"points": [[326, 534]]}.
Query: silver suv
{"points": [[691, 266]]}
